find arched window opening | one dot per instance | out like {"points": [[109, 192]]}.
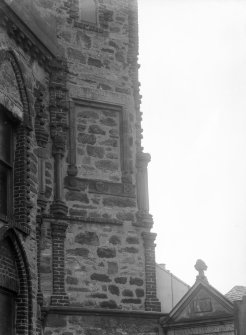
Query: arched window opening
{"points": [[6, 165], [88, 11]]}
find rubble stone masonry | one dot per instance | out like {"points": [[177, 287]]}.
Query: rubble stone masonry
{"points": [[81, 222]]}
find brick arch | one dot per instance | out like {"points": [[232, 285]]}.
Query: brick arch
{"points": [[22, 161], [10, 56], [23, 299]]}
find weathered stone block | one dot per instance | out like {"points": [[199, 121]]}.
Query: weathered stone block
{"points": [[131, 301], [77, 196], [112, 268], [118, 202], [106, 252], [88, 238], [107, 165], [109, 304], [99, 295], [78, 252], [113, 289], [81, 127], [132, 240], [120, 280], [110, 142], [127, 293], [125, 216], [100, 277], [95, 151], [94, 62], [108, 122], [136, 281], [86, 138], [114, 240], [139, 292], [131, 250], [76, 55], [72, 280], [88, 114], [77, 212], [56, 321], [95, 129]]}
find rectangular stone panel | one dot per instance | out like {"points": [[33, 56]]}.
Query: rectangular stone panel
{"points": [[97, 133]]}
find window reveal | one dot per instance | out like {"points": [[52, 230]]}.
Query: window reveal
{"points": [[6, 165]]}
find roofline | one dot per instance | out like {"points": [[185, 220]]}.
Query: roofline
{"points": [[167, 271]]}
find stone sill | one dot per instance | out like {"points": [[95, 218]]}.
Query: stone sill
{"points": [[69, 310]]}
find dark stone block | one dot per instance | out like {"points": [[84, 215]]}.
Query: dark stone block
{"points": [[100, 277], [114, 133], [127, 293], [108, 122], [120, 280], [131, 250], [94, 62], [125, 217], [136, 281], [114, 240], [77, 196], [112, 268], [72, 280], [104, 87], [120, 57], [132, 240], [139, 292], [113, 289], [88, 114], [99, 295], [131, 301], [95, 151], [88, 238], [110, 142], [77, 212], [105, 252], [118, 202], [95, 129], [86, 138], [81, 127], [78, 252], [107, 165], [56, 321], [113, 44], [111, 304], [76, 55]]}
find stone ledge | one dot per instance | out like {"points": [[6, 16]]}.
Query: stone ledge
{"points": [[100, 187], [211, 321], [97, 311], [83, 219]]}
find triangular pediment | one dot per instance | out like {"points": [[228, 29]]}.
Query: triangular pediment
{"points": [[201, 302]]}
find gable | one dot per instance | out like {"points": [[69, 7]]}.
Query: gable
{"points": [[201, 302]]}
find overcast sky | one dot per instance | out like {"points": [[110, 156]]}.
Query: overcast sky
{"points": [[193, 82]]}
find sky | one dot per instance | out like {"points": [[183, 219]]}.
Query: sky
{"points": [[193, 82]]}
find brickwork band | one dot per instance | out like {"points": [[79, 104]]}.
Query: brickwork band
{"points": [[151, 301], [59, 296]]}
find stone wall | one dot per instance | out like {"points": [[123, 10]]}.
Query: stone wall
{"points": [[223, 329], [79, 322], [86, 240]]}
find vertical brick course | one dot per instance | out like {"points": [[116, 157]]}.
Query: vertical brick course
{"points": [[151, 301]]}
